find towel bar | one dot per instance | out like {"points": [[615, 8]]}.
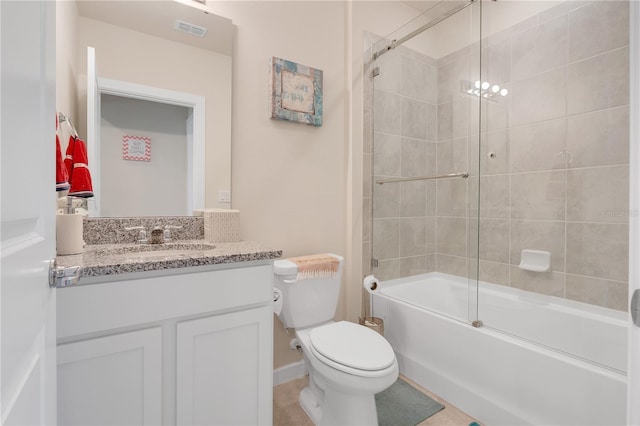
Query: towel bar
{"points": [[463, 175]]}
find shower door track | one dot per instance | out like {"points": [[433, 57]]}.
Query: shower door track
{"points": [[462, 175], [398, 42]]}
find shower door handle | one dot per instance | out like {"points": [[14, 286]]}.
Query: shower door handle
{"points": [[635, 307]]}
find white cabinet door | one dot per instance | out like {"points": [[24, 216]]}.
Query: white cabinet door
{"points": [[27, 212], [112, 380], [224, 369]]}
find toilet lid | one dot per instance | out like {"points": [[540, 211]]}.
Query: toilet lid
{"points": [[352, 345]]}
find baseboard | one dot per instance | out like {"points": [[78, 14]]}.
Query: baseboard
{"points": [[289, 372]]}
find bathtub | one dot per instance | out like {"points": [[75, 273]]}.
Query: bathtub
{"points": [[536, 360]]}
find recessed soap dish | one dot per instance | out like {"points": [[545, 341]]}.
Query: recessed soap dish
{"points": [[535, 260]]}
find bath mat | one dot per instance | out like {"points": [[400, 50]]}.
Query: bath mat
{"points": [[403, 405]]}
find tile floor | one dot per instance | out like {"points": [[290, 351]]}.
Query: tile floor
{"points": [[287, 412]]}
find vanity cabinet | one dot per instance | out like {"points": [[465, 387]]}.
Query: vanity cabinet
{"points": [[189, 348]]}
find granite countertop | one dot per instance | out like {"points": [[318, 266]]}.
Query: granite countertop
{"points": [[111, 259]]}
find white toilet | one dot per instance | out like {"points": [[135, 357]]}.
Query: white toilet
{"points": [[347, 363]]}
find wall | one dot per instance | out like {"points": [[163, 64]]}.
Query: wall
{"points": [[405, 107], [143, 188], [66, 66], [289, 180], [292, 183], [66, 58], [126, 55]]}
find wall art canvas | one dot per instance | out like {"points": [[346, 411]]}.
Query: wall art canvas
{"points": [[136, 148], [296, 92]]}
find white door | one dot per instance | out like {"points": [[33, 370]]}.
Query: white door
{"points": [[633, 397], [27, 212]]}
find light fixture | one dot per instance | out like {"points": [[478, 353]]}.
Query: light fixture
{"points": [[484, 90]]}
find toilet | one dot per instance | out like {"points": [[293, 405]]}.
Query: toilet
{"points": [[347, 363]]}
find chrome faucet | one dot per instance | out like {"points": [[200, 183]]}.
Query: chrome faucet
{"points": [[142, 235], [157, 235], [167, 232]]}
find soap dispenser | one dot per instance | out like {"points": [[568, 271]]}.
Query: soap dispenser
{"points": [[69, 231]]}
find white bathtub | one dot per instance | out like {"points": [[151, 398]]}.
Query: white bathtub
{"points": [[537, 359]]}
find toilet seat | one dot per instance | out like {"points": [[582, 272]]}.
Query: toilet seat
{"points": [[352, 348]]}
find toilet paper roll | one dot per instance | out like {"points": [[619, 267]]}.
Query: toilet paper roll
{"points": [[69, 234], [370, 284], [277, 301]]}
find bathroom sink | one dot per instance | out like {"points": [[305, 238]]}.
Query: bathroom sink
{"points": [[150, 250]]}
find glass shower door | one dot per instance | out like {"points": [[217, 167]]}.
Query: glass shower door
{"points": [[424, 200], [554, 175]]}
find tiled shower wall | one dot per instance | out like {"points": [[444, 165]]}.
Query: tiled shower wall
{"points": [[557, 179]]}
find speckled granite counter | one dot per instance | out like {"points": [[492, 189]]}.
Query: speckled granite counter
{"points": [[111, 259]]}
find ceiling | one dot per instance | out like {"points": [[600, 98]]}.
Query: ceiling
{"points": [[158, 17]]}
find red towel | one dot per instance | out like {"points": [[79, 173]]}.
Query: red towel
{"points": [[80, 177], [62, 177], [68, 158]]}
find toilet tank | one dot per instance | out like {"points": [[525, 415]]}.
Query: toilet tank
{"points": [[306, 302]]}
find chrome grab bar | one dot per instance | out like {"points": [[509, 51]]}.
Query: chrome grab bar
{"points": [[462, 175]]}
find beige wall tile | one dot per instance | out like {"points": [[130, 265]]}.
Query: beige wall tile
{"points": [[538, 98], [538, 146], [449, 75], [386, 154], [413, 266], [494, 272], [451, 236], [598, 27], [452, 197], [453, 119], [598, 250], [496, 62], [540, 49], [412, 236], [452, 265], [414, 158], [414, 119], [494, 196], [415, 75], [538, 235], [598, 194], [496, 143], [413, 196], [386, 238], [494, 115], [390, 77], [386, 199], [549, 283], [598, 82], [387, 112], [452, 156], [595, 291], [599, 138], [430, 234], [387, 269], [539, 195], [493, 239]]}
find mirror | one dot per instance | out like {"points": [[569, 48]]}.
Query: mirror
{"points": [[137, 42]]}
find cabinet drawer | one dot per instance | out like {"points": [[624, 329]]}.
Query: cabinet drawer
{"points": [[99, 307]]}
